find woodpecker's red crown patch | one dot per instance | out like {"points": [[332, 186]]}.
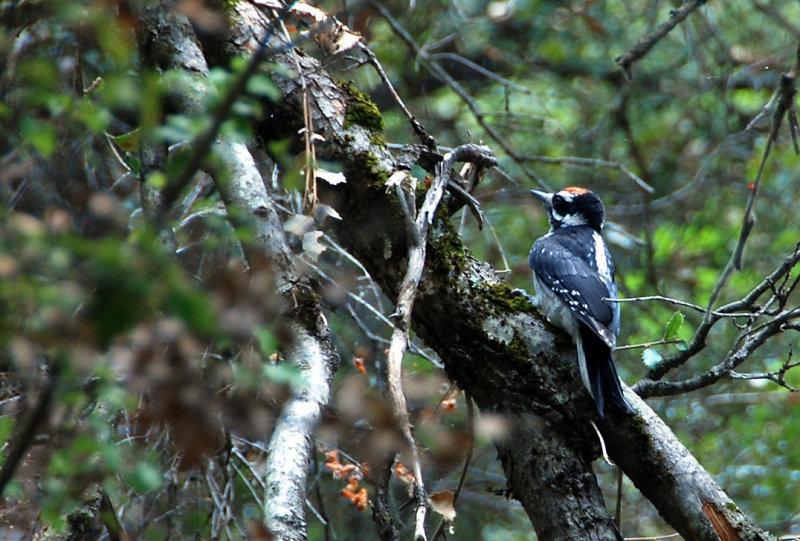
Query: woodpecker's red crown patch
{"points": [[577, 190]]}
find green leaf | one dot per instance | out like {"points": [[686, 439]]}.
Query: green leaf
{"points": [[157, 180], [190, 305], [260, 85], [6, 426], [651, 358], [129, 142], [38, 134], [284, 373], [673, 325], [144, 478], [267, 343]]}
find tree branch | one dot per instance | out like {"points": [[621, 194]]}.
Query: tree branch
{"points": [[744, 307], [25, 432], [750, 342], [711, 316], [590, 162], [645, 43], [381, 512], [417, 241], [437, 71]]}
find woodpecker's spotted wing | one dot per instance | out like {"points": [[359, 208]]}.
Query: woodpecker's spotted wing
{"points": [[575, 281]]}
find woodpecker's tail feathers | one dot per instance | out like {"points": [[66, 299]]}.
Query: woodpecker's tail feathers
{"points": [[598, 372]]}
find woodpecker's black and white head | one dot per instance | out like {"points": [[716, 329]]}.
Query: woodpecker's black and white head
{"points": [[574, 277], [573, 206]]}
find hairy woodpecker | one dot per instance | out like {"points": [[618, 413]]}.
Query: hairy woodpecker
{"points": [[573, 273]]}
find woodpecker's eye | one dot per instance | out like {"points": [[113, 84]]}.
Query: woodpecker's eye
{"points": [[560, 204]]}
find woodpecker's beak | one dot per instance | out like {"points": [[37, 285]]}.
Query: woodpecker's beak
{"points": [[544, 197]]}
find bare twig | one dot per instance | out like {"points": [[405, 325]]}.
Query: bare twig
{"points": [[767, 109], [417, 225], [467, 459], [785, 107], [742, 350], [654, 538], [381, 511], [222, 516], [480, 69], [374, 310], [780, 274], [781, 20], [701, 175], [310, 195], [373, 287], [677, 302], [27, 430], [647, 42], [744, 307], [499, 244], [690, 188], [424, 136], [257, 496], [661, 342], [440, 73], [777, 376], [589, 162], [786, 92]]}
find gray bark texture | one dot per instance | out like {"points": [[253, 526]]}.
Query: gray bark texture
{"points": [[492, 341]]}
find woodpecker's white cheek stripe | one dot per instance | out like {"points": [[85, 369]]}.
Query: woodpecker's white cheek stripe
{"points": [[600, 256], [573, 219]]}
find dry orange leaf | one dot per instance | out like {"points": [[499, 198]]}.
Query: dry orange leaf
{"points": [[359, 499], [442, 503], [358, 362], [402, 473], [449, 404], [258, 532]]}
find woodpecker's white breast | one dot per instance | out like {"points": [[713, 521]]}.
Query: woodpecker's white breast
{"points": [[601, 257]]}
